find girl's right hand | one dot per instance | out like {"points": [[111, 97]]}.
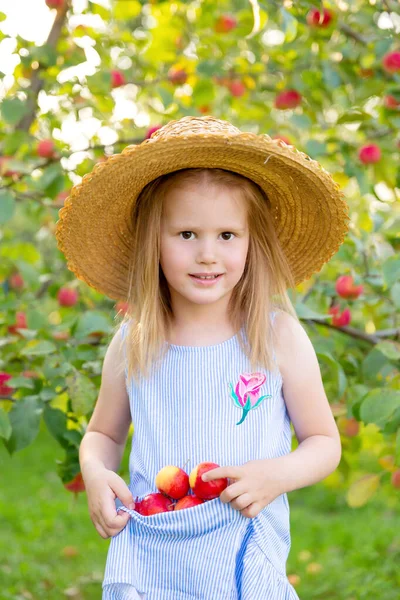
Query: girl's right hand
{"points": [[102, 487]]}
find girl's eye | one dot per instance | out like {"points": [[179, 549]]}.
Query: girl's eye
{"points": [[224, 233]]}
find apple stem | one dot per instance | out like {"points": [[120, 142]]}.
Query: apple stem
{"points": [[188, 460]]}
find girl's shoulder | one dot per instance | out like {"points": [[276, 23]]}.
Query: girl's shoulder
{"points": [[290, 338]]}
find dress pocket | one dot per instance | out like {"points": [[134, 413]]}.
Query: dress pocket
{"points": [[189, 553]]}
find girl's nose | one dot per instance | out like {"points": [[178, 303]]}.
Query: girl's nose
{"points": [[207, 250]]}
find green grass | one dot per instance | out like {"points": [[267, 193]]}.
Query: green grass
{"points": [[357, 550]]}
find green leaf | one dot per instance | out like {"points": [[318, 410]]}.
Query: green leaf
{"points": [[5, 426], [301, 121], [397, 448], [395, 294], [352, 116], [12, 110], [374, 364], [91, 322], [362, 490], [126, 10], [82, 392], [22, 250], [305, 312], [314, 148], [21, 382], [25, 420], [338, 373], [331, 76], [38, 348], [50, 174], [7, 205], [204, 91], [56, 422], [389, 349], [289, 25], [391, 270], [379, 406]]}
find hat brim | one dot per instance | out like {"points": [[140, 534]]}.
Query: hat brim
{"points": [[308, 206]]}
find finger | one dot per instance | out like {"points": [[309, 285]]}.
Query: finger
{"points": [[121, 491], [221, 472], [101, 531], [242, 502], [232, 491], [251, 511], [115, 521]]}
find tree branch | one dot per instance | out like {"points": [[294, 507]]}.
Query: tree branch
{"points": [[36, 81], [356, 333]]}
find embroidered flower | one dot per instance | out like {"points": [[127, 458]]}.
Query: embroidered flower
{"points": [[247, 392]]}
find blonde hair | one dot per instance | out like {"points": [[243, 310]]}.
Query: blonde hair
{"points": [[261, 289]]}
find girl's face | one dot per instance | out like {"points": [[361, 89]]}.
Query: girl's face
{"points": [[203, 230]]}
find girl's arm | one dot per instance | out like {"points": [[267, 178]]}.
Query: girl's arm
{"points": [[319, 451], [103, 444]]}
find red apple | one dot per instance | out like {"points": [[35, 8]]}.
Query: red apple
{"points": [[188, 502], [205, 109], [316, 19], [395, 479], [20, 322], [5, 390], [59, 200], [151, 130], [45, 148], [340, 319], [67, 296], [76, 484], [177, 76], [122, 307], [117, 79], [16, 281], [390, 102], [225, 23], [288, 99], [283, 138], [155, 503], [55, 3], [237, 88], [61, 335], [391, 62], [4, 170], [31, 374], [206, 490], [387, 462], [172, 481], [365, 73], [345, 287], [369, 153]]}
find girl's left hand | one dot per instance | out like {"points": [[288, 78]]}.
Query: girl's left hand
{"points": [[256, 484]]}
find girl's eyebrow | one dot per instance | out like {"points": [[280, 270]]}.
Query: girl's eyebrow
{"points": [[193, 228]]}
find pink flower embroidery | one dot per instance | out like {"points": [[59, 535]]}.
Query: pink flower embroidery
{"points": [[247, 392]]}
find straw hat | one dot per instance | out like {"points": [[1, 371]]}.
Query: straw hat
{"points": [[94, 233]]}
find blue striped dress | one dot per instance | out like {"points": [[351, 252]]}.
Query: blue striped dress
{"points": [[203, 404]]}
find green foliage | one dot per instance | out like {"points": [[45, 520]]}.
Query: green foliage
{"points": [[55, 358]]}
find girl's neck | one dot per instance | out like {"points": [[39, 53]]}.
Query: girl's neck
{"points": [[196, 335]]}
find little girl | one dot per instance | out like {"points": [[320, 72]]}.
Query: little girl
{"points": [[202, 229]]}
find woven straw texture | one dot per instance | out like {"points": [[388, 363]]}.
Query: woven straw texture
{"points": [[309, 209]]}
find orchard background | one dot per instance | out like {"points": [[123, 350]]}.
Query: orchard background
{"points": [[87, 78]]}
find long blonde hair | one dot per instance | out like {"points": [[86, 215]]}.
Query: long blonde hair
{"points": [[261, 289]]}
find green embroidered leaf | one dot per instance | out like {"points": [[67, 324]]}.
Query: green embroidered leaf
{"points": [[261, 399], [234, 397], [247, 406]]}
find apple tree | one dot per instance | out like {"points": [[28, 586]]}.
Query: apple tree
{"points": [[325, 78]]}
